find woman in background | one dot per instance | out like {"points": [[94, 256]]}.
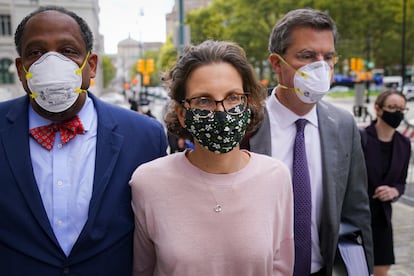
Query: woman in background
{"points": [[387, 155]]}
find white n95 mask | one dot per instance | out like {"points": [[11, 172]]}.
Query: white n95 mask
{"points": [[312, 81], [55, 81]]}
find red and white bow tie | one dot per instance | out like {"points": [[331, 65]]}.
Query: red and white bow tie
{"points": [[45, 135]]}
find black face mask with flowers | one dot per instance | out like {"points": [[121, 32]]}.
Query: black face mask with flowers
{"points": [[219, 132], [393, 119]]}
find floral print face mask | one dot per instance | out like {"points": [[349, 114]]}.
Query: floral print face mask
{"points": [[218, 132]]}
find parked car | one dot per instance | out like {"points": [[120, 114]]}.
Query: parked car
{"points": [[408, 91]]}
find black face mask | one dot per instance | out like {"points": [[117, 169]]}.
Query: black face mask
{"points": [[393, 119]]}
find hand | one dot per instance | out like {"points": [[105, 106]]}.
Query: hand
{"points": [[386, 193]]}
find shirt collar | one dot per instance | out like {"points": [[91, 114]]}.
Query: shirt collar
{"points": [[285, 117], [85, 115]]}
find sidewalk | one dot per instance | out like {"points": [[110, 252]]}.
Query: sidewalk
{"points": [[403, 224]]}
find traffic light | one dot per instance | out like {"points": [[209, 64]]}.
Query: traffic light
{"points": [[150, 66], [353, 64], [359, 64], [141, 66]]}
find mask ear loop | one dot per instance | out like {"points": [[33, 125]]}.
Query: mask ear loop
{"points": [[29, 76], [79, 71], [302, 74]]}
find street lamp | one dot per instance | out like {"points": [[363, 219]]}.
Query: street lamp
{"points": [[404, 7]]}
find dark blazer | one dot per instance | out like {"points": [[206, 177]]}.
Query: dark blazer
{"points": [[397, 174], [27, 242], [344, 178]]}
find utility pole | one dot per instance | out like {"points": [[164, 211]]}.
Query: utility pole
{"points": [[180, 27], [403, 44]]}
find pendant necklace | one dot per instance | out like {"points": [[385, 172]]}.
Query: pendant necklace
{"points": [[218, 208]]}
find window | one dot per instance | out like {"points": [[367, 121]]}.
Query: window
{"points": [[5, 76], [5, 25]]}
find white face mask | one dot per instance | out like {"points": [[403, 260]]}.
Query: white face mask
{"points": [[312, 81], [55, 81]]}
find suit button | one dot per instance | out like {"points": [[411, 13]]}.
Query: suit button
{"points": [[66, 271]]}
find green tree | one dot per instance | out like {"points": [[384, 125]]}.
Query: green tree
{"points": [[168, 55], [108, 70], [370, 29]]}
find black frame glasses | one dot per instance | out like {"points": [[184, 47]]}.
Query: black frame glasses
{"points": [[233, 104]]}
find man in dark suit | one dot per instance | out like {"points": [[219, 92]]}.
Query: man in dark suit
{"points": [[302, 54], [65, 201]]}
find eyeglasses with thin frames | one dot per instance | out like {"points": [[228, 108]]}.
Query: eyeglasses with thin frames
{"points": [[233, 104], [394, 108], [309, 56]]}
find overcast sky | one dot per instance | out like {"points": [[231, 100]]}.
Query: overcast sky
{"points": [[120, 19]]}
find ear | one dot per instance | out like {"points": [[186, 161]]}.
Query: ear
{"points": [[275, 63], [180, 111], [19, 68], [378, 110], [93, 64]]}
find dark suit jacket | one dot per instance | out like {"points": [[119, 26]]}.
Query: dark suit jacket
{"points": [[27, 242], [397, 174], [344, 178]]}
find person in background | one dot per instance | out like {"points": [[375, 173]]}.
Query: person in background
{"points": [[302, 54], [214, 210], [66, 158], [387, 156]]}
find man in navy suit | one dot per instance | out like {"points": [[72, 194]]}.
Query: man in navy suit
{"points": [[65, 200]]}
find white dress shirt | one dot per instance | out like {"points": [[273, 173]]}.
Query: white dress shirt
{"points": [[283, 132], [65, 176]]}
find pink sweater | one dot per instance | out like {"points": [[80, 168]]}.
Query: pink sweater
{"points": [[177, 231]]}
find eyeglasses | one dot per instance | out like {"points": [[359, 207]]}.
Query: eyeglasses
{"points": [[310, 56], [394, 108], [233, 104]]}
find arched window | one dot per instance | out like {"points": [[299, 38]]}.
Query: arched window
{"points": [[5, 76]]}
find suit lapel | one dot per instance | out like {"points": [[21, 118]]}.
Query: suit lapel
{"points": [[261, 142], [108, 147], [16, 147], [329, 137]]}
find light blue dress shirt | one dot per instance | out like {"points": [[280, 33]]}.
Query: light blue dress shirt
{"points": [[65, 176]]}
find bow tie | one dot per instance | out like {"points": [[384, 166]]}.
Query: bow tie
{"points": [[45, 135]]}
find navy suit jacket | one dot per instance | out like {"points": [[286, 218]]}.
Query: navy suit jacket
{"points": [[104, 247], [397, 173]]}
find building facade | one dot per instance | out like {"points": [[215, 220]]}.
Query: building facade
{"points": [[13, 11]]}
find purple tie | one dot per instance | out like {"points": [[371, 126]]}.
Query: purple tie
{"points": [[302, 203]]}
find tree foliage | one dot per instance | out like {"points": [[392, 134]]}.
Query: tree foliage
{"points": [[108, 70], [370, 29]]}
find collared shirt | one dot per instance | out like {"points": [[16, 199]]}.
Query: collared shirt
{"points": [[65, 176], [283, 132]]}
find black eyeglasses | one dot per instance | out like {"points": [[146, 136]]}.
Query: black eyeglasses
{"points": [[233, 104]]}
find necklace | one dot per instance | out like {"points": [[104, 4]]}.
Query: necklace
{"points": [[218, 208]]}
